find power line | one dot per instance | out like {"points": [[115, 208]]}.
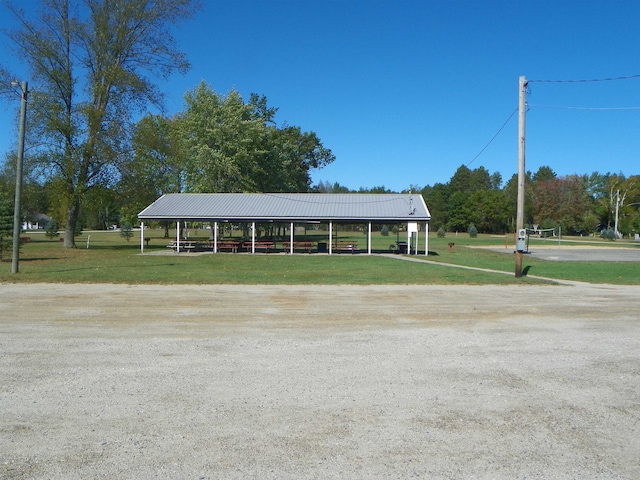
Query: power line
{"points": [[610, 79], [494, 137], [584, 108]]}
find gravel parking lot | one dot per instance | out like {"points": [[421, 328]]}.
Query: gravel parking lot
{"points": [[272, 382]]}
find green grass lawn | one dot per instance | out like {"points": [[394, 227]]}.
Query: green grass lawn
{"points": [[112, 259]]}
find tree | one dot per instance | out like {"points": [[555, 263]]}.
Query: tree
{"points": [[156, 166], [89, 62], [233, 146], [6, 224], [437, 197], [563, 200]]}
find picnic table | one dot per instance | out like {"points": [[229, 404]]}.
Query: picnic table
{"points": [[228, 245], [305, 246], [265, 246], [187, 245], [344, 246]]}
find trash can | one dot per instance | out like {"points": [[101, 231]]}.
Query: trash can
{"points": [[322, 247]]}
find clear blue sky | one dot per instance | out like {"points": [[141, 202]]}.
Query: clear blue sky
{"points": [[404, 92]]}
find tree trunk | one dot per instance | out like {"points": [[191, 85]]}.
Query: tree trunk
{"points": [[73, 213]]}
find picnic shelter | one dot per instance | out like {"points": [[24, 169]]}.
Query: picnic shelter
{"points": [[292, 209]]}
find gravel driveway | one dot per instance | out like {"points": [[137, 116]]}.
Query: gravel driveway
{"points": [[273, 382]]}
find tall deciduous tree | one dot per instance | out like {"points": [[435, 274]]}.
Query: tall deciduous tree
{"points": [[89, 63], [156, 166], [233, 146]]}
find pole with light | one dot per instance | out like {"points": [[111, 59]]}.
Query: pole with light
{"points": [[18, 207]]}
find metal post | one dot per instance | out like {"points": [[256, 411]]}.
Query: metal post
{"points": [[521, 171], [215, 237], [291, 235], [18, 197], [141, 238], [426, 239]]}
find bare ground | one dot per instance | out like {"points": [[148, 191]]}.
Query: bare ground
{"points": [[228, 382]]}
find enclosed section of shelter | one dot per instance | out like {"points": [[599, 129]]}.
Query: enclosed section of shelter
{"points": [[292, 209]]}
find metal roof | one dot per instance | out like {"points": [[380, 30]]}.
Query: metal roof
{"points": [[340, 207]]}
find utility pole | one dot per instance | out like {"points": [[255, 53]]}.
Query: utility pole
{"points": [[17, 217], [615, 227], [521, 153]]}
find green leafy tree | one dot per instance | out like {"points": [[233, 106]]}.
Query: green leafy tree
{"points": [[90, 65], [157, 165], [126, 231], [6, 224], [563, 200], [436, 197], [51, 231], [233, 146]]}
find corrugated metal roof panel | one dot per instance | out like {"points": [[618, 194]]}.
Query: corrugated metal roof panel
{"points": [[287, 207]]}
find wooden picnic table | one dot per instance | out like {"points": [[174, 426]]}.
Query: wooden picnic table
{"points": [[230, 245], [188, 245], [298, 245], [344, 246], [266, 246]]}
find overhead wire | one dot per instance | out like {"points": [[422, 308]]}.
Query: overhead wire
{"points": [[592, 80], [584, 108], [494, 137]]}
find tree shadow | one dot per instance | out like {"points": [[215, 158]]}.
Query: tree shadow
{"points": [[525, 270]]}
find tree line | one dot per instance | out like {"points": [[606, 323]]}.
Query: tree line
{"points": [[579, 204]]}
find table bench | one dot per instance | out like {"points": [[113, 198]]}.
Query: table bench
{"points": [[345, 246], [228, 245], [263, 246], [187, 245], [305, 246]]}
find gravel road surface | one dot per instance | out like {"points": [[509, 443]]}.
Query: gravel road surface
{"points": [[319, 382]]}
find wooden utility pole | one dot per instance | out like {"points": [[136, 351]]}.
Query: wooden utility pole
{"points": [[521, 172]]}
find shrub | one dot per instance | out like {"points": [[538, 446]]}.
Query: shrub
{"points": [[51, 231], [384, 231], [126, 231], [441, 233], [473, 231]]}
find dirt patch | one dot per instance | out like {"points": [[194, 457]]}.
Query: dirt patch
{"points": [[111, 381]]}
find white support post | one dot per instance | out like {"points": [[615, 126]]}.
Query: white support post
{"points": [[141, 237], [215, 237], [408, 240], [330, 237], [178, 236], [369, 240], [253, 237], [291, 229], [426, 239]]}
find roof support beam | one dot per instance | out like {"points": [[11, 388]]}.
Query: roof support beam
{"points": [[253, 237], [291, 229], [426, 239], [141, 237], [178, 236]]}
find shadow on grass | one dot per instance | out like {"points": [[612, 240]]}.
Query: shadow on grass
{"points": [[38, 259], [525, 270]]}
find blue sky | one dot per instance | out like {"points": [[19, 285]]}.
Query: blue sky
{"points": [[405, 92]]}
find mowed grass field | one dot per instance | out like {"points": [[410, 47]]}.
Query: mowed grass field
{"points": [[110, 258]]}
